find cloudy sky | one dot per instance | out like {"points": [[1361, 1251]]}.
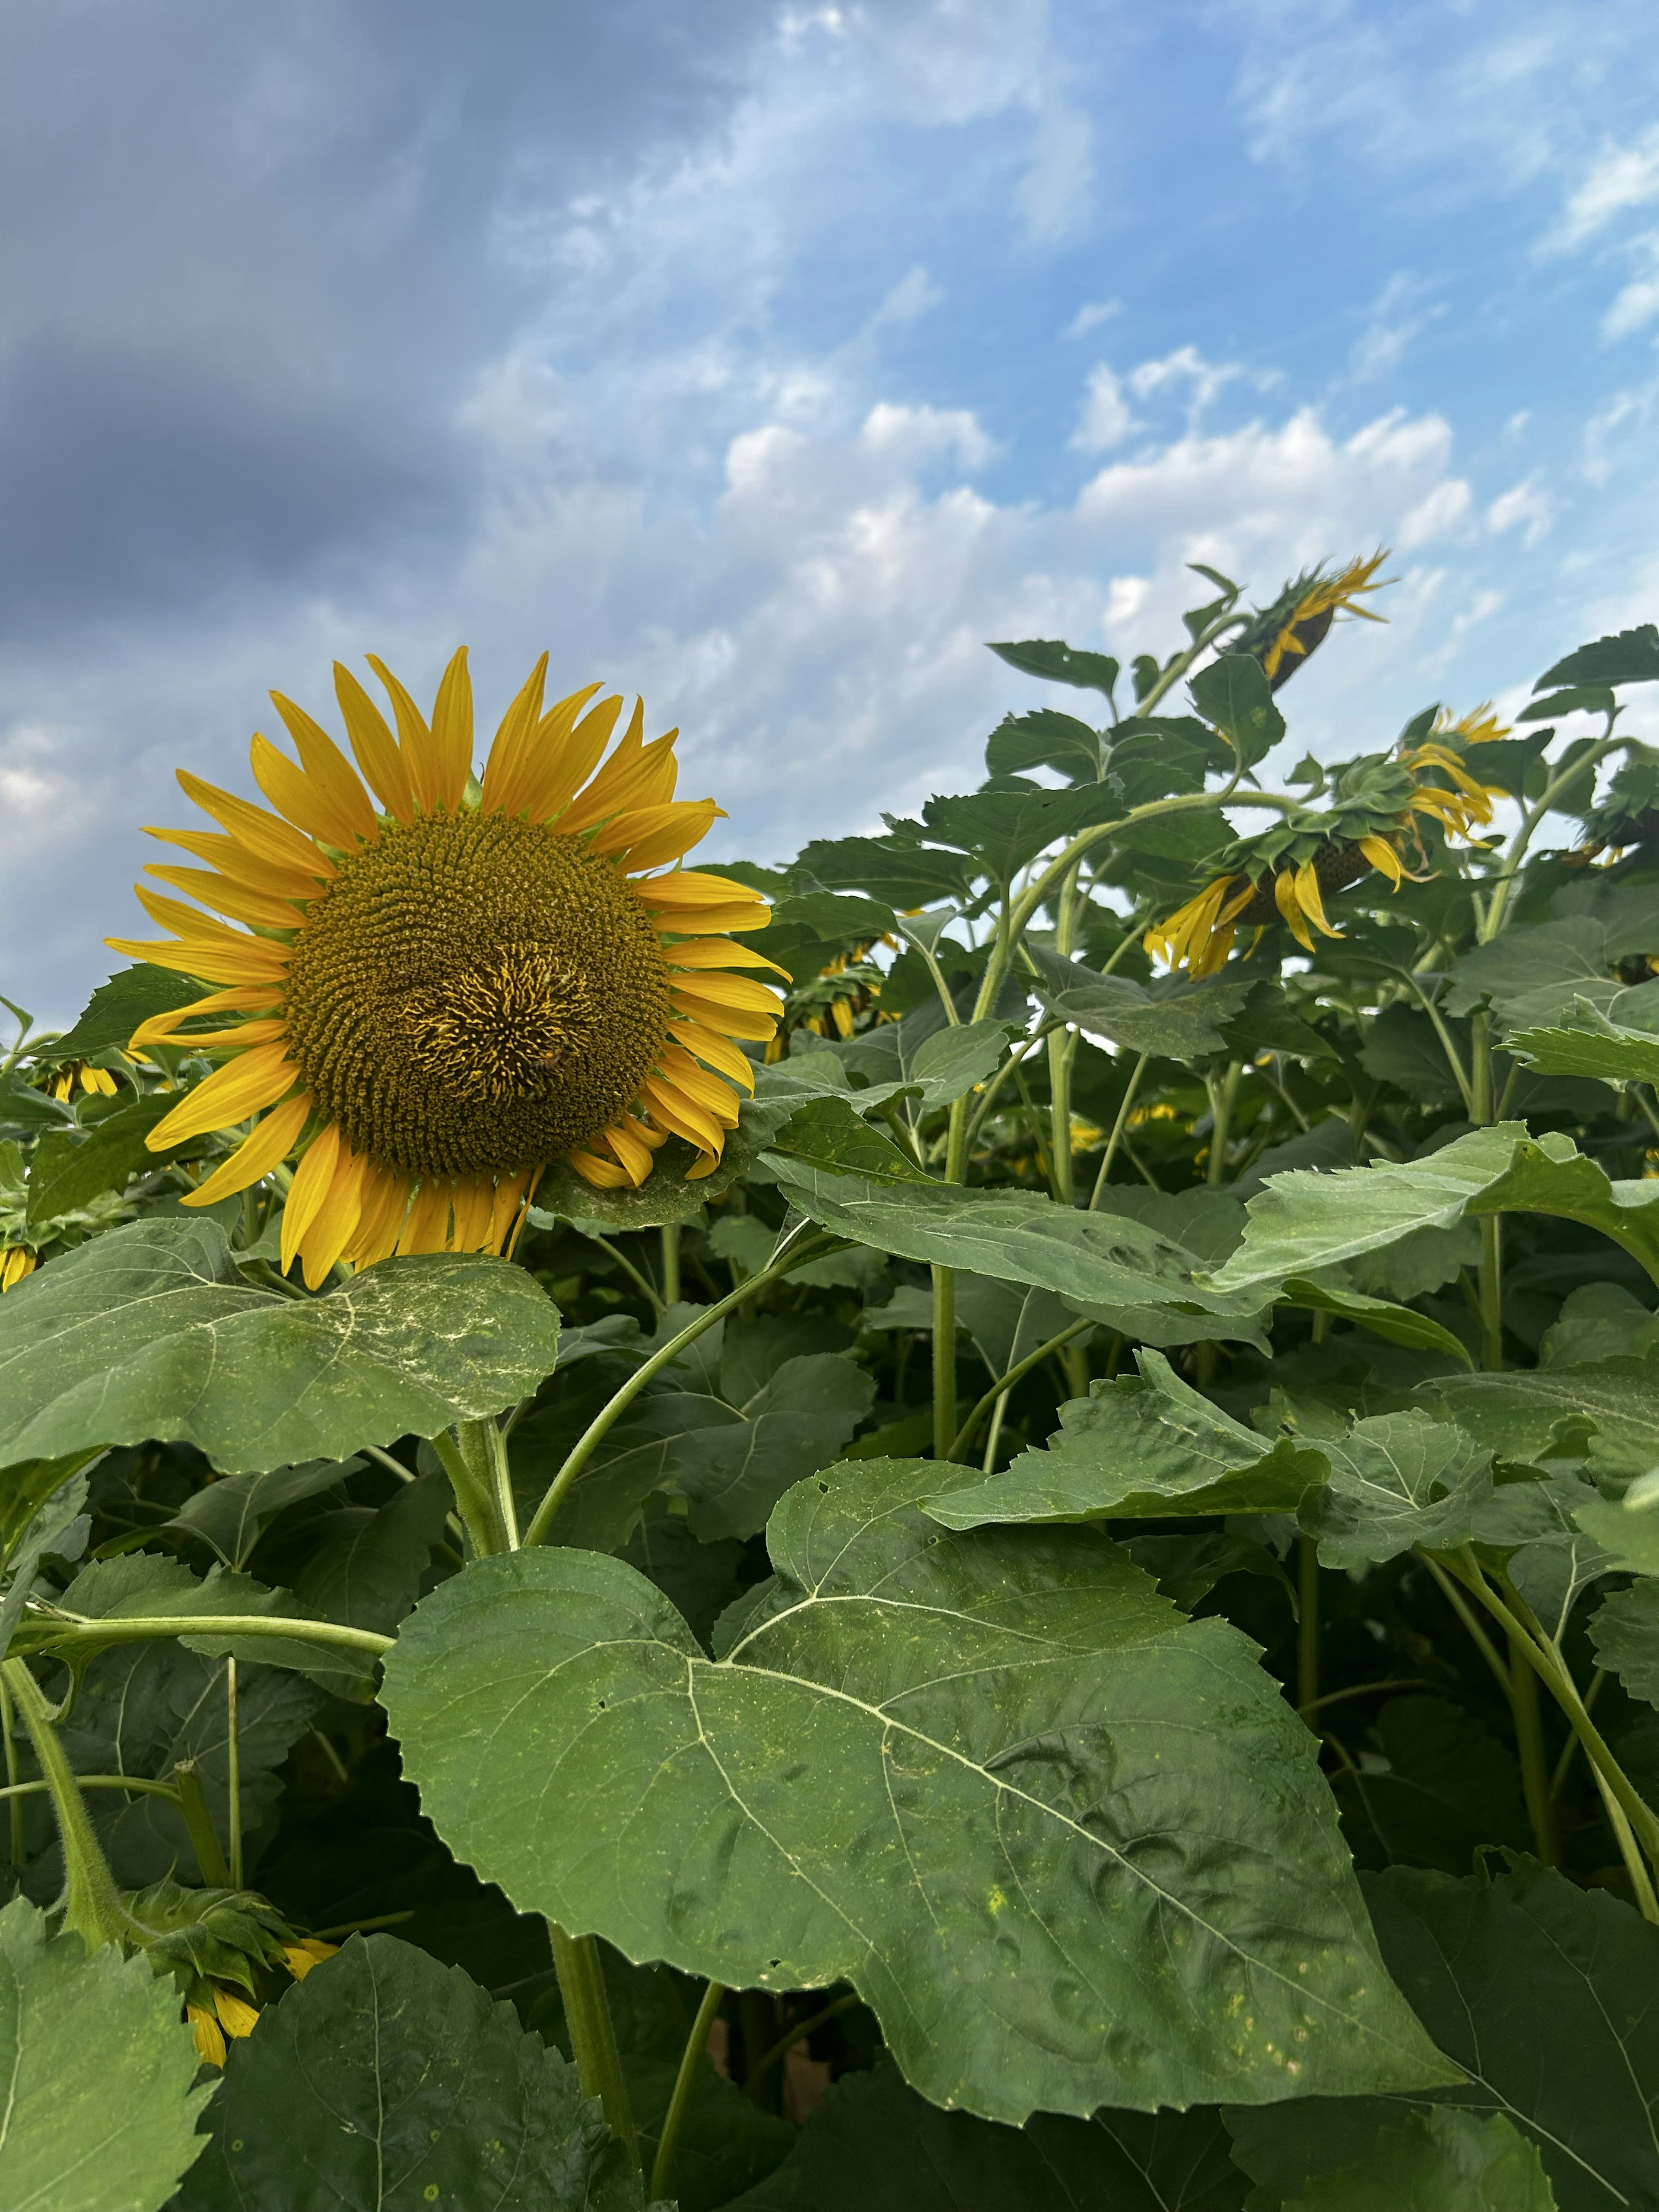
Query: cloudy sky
{"points": [[767, 359]]}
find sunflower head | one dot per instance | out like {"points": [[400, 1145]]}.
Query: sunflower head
{"points": [[77, 1075], [1282, 635], [433, 984], [217, 1945]]}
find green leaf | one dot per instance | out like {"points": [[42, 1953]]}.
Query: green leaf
{"points": [[1146, 1447], [838, 1798], [1533, 977], [808, 931], [896, 869], [1303, 1222], [1629, 657], [369, 1561], [1580, 699], [385, 2080], [1440, 2162], [1547, 1555], [1395, 1324], [1057, 663], [1233, 693], [1397, 1480], [1187, 1564], [1044, 739], [116, 1009], [1628, 1536], [874, 2146], [1006, 828], [99, 2112], [1626, 1633], [1590, 1045], [150, 1332], [1182, 1022], [1444, 1788], [68, 1172], [1543, 1993], [229, 1515], [1402, 1047], [1612, 1407], [51, 1492], [947, 1065]]}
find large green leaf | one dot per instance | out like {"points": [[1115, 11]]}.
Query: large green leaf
{"points": [[1059, 663], [1397, 1480], [1303, 1222], [1626, 1633], [387, 2082], [1629, 1538], [116, 1009], [1146, 1447], [1438, 2162], [151, 1332], [1630, 656], [229, 1516], [99, 2113], [1185, 1023], [1072, 1848], [55, 1525], [1590, 1045], [1234, 694], [1611, 1405], [874, 2146], [1043, 738], [1533, 977], [1005, 829], [896, 869], [368, 1562], [1438, 1789]]}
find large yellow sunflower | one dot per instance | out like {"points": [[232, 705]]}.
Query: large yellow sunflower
{"points": [[432, 999]]}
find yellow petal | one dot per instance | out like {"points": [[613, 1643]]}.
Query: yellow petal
{"points": [[634, 775], [627, 1141], [270, 1143], [1284, 900], [255, 999], [379, 1224], [194, 927], [671, 1109], [650, 837], [237, 900], [238, 1038], [210, 2038], [427, 1226], [475, 1199], [374, 747], [1383, 858], [696, 904], [720, 1052], [603, 1175], [723, 990], [332, 1225], [545, 773], [511, 748], [451, 730], [330, 775], [238, 864], [1310, 899], [263, 834], [252, 960], [678, 1068], [243, 1086], [236, 2015], [509, 1197], [312, 1180], [420, 755]]}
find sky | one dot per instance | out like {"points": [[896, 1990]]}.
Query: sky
{"points": [[767, 360]]}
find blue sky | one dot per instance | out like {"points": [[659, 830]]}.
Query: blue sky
{"points": [[768, 359]]}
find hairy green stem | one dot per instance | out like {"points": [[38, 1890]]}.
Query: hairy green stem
{"points": [[670, 1263], [592, 2038], [471, 1478], [1491, 1247], [135, 1785], [92, 1909], [696, 2047], [791, 2036], [1118, 1127], [233, 1779], [1222, 1097], [71, 1628], [945, 1361], [17, 1839], [1005, 1383], [1534, 1762], [803, 1244], [198, 1821]]}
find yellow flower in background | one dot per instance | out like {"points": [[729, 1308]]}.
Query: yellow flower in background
{"points": [[17, 1262], [430, 1000], [1300, 620], [63, 1082], [209, 2036], [307, 1952]]}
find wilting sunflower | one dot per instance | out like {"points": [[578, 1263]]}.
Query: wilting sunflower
{"points": [[1287, 873], [430, 999], [1282, 636], [63, 1082], [16, 1261]]}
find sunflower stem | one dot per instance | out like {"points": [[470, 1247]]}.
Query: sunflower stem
{"points": [[696, 2047], [592, 2038], [198, 1821], [1118, 1127], [803, 1244], [71, 1628], [92, 1909], [469, 1461], [670, 1263], [233, 1776], [15, 1808]]}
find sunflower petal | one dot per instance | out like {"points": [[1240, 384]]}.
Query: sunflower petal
{"points": [[414, 740], [555, 760], [1309, 898], [427, 1226], [263, 834], [335, 1221], [475, 1199], [256, 1156], [386, 1196], [245, 1085], [603, 1175], [238, 866], [1383, 858], [721, 952], [451, 729], [672, 1108], [650, 837], [218, 891], [257, 999], [312, 1181], [719, 1051], [330, 774], [724, 990], [1284, 900], [510, 749], [250, 960], [373, 746]]}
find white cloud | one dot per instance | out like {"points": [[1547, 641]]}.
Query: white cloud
{"points": [[1185, 365], [1638, 303], [1396, 318], [1619, 178], [1106, 420], [911, 298], [1610, 430], [1091, 316], [1054, 192], [1525, 506]]}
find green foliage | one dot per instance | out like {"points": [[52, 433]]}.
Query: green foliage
{"points": [[1113, 1445]]}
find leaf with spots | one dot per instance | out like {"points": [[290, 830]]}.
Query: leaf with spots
{"points": [[1072, 1848]]}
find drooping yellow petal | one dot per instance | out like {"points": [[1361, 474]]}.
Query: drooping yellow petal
{"points": [[628, 1141], [18, 1262], [426, 1229], [1311, 900], [719, 952], [263, 834], [385, 1197], [332, 1225], [270, 1143], [650, 837], [671, 1109], [414, 740], [245, 1085], [330, 774], [1284, 900], [510, 748], [678, 1067], [374, 747], [225, 897], [719, 1051], [1383, 858], [312, 1180], [543, 775], [451, 730], [475, 1199], [603, 1174], [236, 2015], [209, 2038], [509, 1197]]}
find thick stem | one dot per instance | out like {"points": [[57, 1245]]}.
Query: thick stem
{"points": [[1534, 1762], [1306, 1631], [1059, 1058], [803, 1246], [198, 1820], [944, 1362], [93, 1910], [71, 1628], [15, 1808], [670, 1263], [1222, 1096], [592, 2038], [472, 1477], [233, 1762], [696, 2047]]}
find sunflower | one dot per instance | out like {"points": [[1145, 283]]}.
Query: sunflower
{"points": [[63, 1082], [428, 1000], [16, 1260], [1288, 874], [1282, 636]]}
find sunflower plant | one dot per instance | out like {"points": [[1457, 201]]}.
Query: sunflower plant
{"points": [[969, 1519]]}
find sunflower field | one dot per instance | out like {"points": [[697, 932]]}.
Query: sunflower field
{"points": [[967, 1525]]}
